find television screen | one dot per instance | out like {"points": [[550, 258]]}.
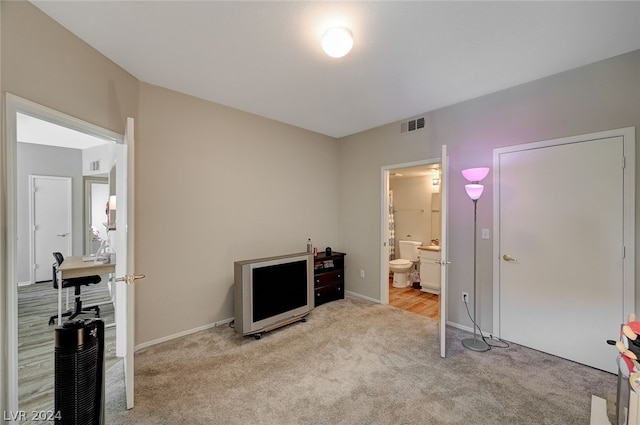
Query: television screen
{"points": [[278, 289]]}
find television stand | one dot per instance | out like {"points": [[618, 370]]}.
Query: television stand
{"points": [[259, 333], [328, 277]]}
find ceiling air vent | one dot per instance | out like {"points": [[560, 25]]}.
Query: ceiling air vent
{"points": [[412, 125]]}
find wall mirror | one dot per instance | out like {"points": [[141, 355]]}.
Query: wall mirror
{"points": [[96, 198]]}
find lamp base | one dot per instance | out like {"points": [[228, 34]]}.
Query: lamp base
{"points": [[475, 344]]}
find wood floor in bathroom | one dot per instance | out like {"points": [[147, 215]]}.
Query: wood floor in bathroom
{"points": [[414, 300]]}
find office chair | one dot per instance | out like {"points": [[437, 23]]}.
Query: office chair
{"points": [[77, 283]]}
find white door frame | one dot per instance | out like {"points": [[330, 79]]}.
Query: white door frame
{"points": [[384, 221], [443, 299], [628, 134], [32, 222], [9, 339], [384, 231], [125, 265]]}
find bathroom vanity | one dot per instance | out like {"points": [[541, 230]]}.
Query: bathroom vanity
{"points": [[430, 269]]}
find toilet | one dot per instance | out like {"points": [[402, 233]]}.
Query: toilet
{"points": [[402, 266]]}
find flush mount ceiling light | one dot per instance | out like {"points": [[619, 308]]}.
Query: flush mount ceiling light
{"points": [[337, 41]]}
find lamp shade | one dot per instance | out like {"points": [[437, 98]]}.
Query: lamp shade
{"points": [[474, 190], [112, 202], [337, 42], [475, 174]]}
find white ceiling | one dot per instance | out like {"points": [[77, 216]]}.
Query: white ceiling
{"points": [[37, 131], [408, 57], [432, 170]]}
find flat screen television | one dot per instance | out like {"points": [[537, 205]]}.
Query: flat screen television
{"points": [[271, 292]]}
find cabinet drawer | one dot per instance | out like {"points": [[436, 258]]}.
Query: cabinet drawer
{"points": [[323, 278], [328, 293]]}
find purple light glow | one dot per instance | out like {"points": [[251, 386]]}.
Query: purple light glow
{"points": [[474, 190], [475, 174]]}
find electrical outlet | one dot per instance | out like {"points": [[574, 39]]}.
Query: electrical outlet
{"points": [[361, 273], [465, 297]]}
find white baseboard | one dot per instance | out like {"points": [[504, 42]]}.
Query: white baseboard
{"points": [[180, 334], [459, 326], [364, 297], [452, 324], [467, 328], [220, 323], [25, 283], [227, 321]]}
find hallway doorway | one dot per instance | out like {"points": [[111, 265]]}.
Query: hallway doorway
{"points": [[36, 153]]}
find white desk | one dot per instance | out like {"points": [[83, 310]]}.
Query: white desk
{"points": [[74, 267]]}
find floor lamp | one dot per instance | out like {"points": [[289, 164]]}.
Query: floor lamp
{"points": [[474, 189]]}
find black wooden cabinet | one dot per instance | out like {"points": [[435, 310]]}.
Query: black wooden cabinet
{"points": [[328, 277]]}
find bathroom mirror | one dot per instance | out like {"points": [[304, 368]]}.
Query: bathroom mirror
{"points": [[435, 215]]}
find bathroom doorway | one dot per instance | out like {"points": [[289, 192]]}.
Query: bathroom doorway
{"points": [[413, 214]]}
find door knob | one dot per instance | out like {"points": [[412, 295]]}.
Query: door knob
{"points": [[130, 279], [507, 257]]}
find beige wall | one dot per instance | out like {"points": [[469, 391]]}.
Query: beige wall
{"points": [[45, 63], [601, 96], [215, 185]]}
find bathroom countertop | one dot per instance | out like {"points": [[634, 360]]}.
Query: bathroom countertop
{"points": [[430, 248]]}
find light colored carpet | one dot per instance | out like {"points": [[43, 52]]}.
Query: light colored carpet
{"points": [[353, 362]]}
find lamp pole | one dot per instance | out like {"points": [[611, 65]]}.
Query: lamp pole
{"points": [[474, 190], [474, 343]]}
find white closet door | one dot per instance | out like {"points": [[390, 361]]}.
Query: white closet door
{"points": [[51, 212], [561, 221]]}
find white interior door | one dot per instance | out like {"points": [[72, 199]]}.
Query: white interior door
{"points": [[51, 222], [561, 247], [443, 252], [124, 257]]}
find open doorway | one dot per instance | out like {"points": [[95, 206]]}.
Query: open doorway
{"points": [[412, 230], [82, 150]]}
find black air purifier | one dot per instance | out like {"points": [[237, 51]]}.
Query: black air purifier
{"points": [[79, 372]]}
